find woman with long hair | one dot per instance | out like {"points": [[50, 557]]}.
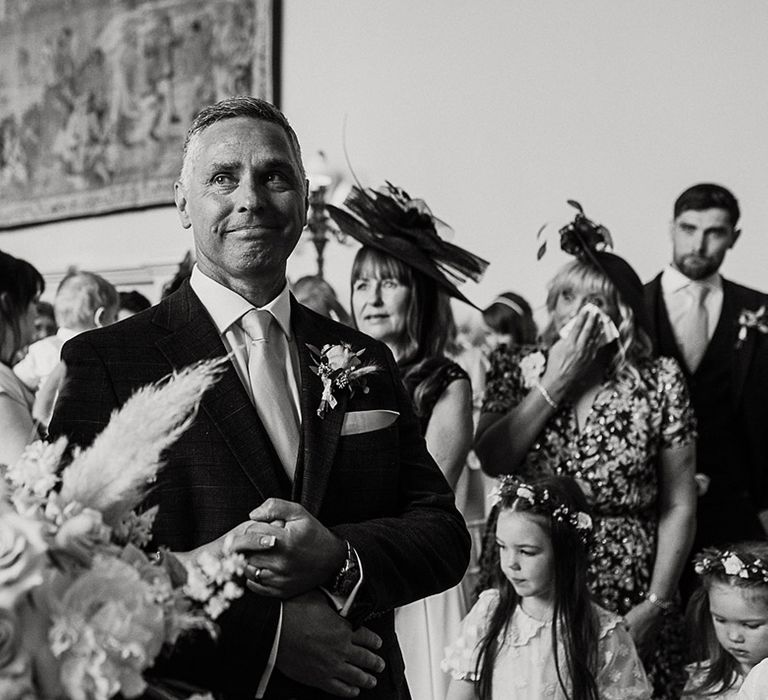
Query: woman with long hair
{"points": [[20, 287], [400, 295], [594, 403]]}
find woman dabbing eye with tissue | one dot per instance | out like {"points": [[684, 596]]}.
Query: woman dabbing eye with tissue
{"points": [[592, 402]]}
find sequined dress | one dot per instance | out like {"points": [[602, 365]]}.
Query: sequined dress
{"points": [[615, 458]]}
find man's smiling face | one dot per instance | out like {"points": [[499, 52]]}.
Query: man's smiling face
{"points": [[244, 197]]}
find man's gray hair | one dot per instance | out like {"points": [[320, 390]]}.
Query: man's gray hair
{"points": [[230, 108]]}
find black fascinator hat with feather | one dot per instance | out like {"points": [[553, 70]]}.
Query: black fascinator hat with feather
{"points": [[391, 222], [588, 241]]}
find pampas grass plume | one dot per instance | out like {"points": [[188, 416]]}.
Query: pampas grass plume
{"points": [[113, 474]]}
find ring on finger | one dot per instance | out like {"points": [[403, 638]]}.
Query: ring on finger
{"points": [[257, 575]]}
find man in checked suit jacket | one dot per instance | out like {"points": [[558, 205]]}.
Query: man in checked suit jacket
{"points": [[367, 517], [729, 387]]}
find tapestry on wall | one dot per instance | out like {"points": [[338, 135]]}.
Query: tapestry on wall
{"points": [[96, 96]]}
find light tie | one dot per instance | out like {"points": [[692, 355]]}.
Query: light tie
{"points": [[269, 385], [695, 327]]}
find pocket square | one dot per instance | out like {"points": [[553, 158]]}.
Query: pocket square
{"points": [[356, 422]]}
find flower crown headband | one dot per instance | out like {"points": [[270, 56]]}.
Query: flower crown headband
{"points": [[725, 561], [508, 486]]}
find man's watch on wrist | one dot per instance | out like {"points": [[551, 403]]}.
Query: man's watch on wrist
{"points": [[346, 579]]}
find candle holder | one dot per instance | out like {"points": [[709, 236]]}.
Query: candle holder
{"points": [[320, 227]]}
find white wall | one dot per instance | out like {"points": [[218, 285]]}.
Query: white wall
{"points": [[497, 111]]}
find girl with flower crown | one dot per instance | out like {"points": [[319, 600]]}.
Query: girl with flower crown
{"points": [[728, 622], [537, 633], [401, 296], [594, 403]]}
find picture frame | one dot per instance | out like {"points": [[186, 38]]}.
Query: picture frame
{"points": [[96, 96]]}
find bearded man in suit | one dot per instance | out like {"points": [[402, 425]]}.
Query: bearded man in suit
{"points": [[348, 502], [698, 317]]}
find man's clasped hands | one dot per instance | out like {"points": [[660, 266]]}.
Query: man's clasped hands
{"points": [[290, 556]]}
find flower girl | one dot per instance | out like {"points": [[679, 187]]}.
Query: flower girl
{"points": [[728, 619], [537, 634]]}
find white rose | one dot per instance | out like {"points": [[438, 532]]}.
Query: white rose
{"points": [[532, 367], [82, 533], [526, 493], [583, 521], [22, 556], [732, 565], [341, 357]]}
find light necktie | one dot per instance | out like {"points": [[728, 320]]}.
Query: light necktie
{"points": [[695, 327], [269, 385]]}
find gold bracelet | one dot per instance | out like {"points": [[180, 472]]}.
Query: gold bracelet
{"points": [[547, 397], [663, 605]]}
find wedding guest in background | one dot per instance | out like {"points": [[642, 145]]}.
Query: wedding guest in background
{"points": [[401, 296], [595, 404], [316, 496], [45, 323], [20, 286], [537, 633], [84, 300], [509, 319], [727, 618], [131, 303], [718, 332], [315, 293]]}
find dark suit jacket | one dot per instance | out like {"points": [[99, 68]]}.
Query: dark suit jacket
{"points": [[729, 392], [379, 490]]}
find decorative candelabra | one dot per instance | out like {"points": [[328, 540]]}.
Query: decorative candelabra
{"points": [[320, 227]]}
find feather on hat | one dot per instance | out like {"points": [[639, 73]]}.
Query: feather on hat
{"points": [[391, 222], [588, 241]]}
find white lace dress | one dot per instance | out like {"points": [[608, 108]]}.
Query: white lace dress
{"points": [[696, 674], [756, 683], [525, 666]]}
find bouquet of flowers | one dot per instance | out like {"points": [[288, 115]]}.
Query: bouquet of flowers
{"points": [[84, 611]]}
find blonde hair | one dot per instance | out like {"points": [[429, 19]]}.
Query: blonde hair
{"points": [[633, 345], [79, 296]]}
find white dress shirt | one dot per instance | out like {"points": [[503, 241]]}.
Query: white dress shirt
{"points": [[678, 301], [226, 308]]}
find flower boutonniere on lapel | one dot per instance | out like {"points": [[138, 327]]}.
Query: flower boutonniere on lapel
{"points": [[339, 367], [532, 367], [749, 320]]}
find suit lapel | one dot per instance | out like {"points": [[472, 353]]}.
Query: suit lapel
{"points": [[320, 436], [664, 336], [193, 337]]}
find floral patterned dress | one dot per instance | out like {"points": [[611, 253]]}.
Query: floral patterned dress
{"points": [[614, 456]]}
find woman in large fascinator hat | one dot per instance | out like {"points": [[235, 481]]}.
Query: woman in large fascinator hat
{"points": [[389, 221], [592, 402], [402, 280]]}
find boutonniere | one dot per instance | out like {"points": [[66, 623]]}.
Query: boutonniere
{"points": [[532, 367], [748, 320], [339, 367]]}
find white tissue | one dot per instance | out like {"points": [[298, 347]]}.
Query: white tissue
{"points": [[610, 332]]}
